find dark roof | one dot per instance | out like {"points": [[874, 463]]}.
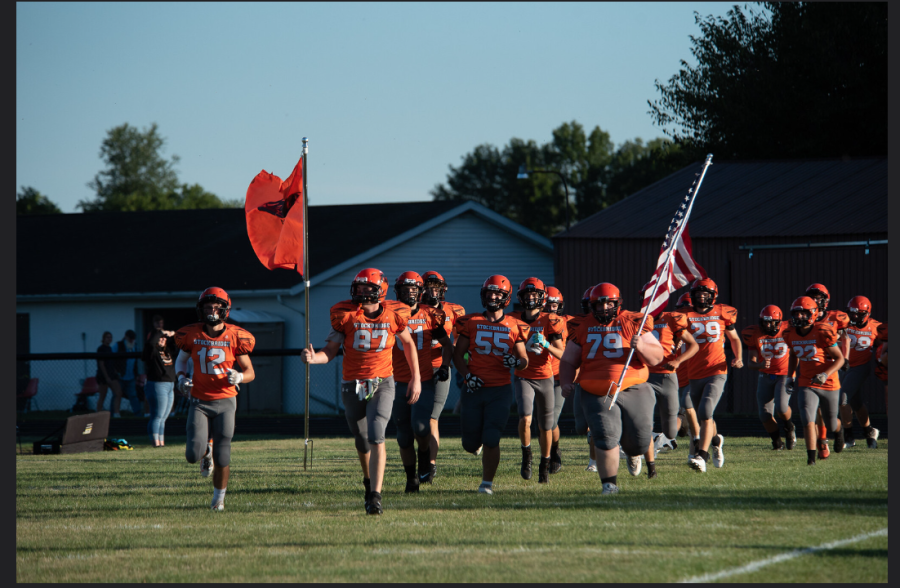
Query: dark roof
{"points": [[189, 250], [755, 199]]}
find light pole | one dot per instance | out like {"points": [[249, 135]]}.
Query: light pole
{"points": [[523, 175]]}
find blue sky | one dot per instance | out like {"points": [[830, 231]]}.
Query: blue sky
{"points": [[388, 94]]}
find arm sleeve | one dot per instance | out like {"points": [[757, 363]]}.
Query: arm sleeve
{"points": [[747, 336], [181, 340], [827, 337], [245, 342], [729, 316], [677, 322], [182, 361]]}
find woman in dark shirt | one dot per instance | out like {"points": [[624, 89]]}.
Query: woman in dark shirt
{"points": [[159, 363]]}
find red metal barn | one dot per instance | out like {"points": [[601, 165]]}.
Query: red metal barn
{"points": [[763, 230]]}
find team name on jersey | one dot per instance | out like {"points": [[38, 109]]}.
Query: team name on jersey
{"points": [[420, 321], [695, 319], [764, 340], [484, 327], [371, 325], [208, 343], [806, 342], [660, 326], [863, 331], [537, 329], [604, 329]]}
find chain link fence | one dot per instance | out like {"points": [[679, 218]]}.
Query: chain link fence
{"points": [[279, 387]]}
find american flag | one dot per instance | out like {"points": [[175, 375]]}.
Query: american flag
{"points": [[682, 269]]}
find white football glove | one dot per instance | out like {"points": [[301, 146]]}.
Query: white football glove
{"points": [[235, 377], [473, 382], [510, 360], [185, 385], [820, 378]]}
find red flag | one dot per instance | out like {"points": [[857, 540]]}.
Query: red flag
{"points": [[681, 271], [275, 221]]}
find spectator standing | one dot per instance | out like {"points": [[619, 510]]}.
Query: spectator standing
{"points": [[159, 365], [106, 380], [127, 371]]}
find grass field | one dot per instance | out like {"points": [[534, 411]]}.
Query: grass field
{"points": [[144, 516]]}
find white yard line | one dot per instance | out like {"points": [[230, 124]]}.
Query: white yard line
{"points": [[753, 566]]}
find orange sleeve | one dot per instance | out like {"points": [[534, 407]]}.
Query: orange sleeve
{"points": [[827, 336], [576, 335], [677, 323], [183, 339], [648, 325], [729, 315], [842, 320], [556, 326], [339, 314], [882, 332], [245, 342], [524, 331]]}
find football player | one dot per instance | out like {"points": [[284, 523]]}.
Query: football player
{"points": [[599, 346], [534, 385], [839, 321], [555, 304], [768, 353], [433, 295], [581, 424], [496, 346], [864, 334], [425, 324], [689, 416], [367, 329], [213, 347], [710, 324], [814, 347], [671, 330]]}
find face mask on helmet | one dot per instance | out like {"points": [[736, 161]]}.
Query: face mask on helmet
{"points": [[858, 309], [702, 299], [802, 318], [531, 294], [820, 295], [769, 326], [407, 294], [364, 293], [553, 296], [222, 305], [601, 313], [495, 293], [434, 289]]}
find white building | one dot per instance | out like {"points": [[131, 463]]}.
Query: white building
{"points": [[79, 275]]}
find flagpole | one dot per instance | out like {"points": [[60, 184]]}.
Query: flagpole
{"points": [[665, 267], [307, 445]]}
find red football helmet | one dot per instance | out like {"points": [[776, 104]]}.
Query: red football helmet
{"points": [[858, 309], [684, 301], [769, 319], [799, 308], [586, 301], [554, 295], [531, 285], [213, 295], [433, 279], [703, 285], [496, 283], [819, 293], [408, 288], [361, 294], [601, 293]]}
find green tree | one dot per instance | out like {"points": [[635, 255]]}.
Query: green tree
{"points": [[30, 201], [138, 177], [789, 80], [597, 175]]}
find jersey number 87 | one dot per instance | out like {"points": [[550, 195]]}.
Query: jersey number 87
{"points": [[362, 339]]}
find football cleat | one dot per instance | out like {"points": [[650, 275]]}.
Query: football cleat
{"points": [[872, 438], [698, 463], [218, 506], [555, 460], [412, 485], [790, 439], [544, 470], [526, 463], [206, 464], [777, 445], [374, 507], [823, 451], [485, 489], [479, 450], [591, 468], [368, 498], [634, 464], [848, 443], [718, 456], [609, 488]]}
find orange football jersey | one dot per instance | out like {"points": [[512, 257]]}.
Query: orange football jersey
{"points": [[368, 342], [810, 350], [604, 349], [862, 341], [771, 347], [566, 318], [836, 318], [422, 326], [488, 341], [212, 357], [683, 370], [667, 330], [452, 312], [539, 366], [709, 331]]}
